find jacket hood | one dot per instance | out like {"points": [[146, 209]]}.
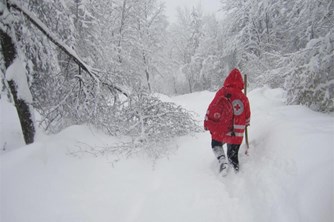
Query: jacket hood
{"points": [[234, 80]]}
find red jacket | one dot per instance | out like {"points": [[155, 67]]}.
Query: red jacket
{"points": [[231, 128]]}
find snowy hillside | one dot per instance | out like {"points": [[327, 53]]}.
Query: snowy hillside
{"points": [[288, 175]]}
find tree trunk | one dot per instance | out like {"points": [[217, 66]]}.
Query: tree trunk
{"points": [[190, 86], [24, 112], [147, 73]]}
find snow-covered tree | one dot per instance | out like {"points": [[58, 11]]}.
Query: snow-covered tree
{"points": [[209, 54], [193, 63], [310, 79], [15, 75], [311, 74], [186, 37], [68, 91], [284, 44]]}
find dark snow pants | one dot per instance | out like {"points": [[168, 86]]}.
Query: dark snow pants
{"points": [[232, 152]]}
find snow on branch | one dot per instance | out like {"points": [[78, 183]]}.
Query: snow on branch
{"points": [[69, 51]]}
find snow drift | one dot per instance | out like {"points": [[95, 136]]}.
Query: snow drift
{"points": [[288, 175]]}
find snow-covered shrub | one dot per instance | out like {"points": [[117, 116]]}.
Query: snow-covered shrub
{"points": [[151, 122]]}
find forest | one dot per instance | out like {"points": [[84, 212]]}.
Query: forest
{"points": [[103, 62]]}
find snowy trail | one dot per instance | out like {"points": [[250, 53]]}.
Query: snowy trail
{"points": [[287, 143], [41, 182]]}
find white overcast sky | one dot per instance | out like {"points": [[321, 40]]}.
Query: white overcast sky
{"points": [[208, 6]]}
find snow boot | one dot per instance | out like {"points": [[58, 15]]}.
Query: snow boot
{"points": [[220, 154], [223, 166], [236, 169], [232, 154]]}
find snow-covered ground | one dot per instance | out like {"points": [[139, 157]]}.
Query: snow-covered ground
{"points": [[287, 177]]}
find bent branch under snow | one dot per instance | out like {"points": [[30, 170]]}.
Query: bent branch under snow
{"points": [[70, 52]]}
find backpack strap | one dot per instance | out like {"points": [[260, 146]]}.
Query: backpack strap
{"points": [[228, 97]]}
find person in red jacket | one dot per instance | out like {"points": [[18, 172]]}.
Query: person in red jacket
{"points": [[227, 117]]}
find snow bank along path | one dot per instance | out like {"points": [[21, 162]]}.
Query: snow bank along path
{"points": [[287, 177]]}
